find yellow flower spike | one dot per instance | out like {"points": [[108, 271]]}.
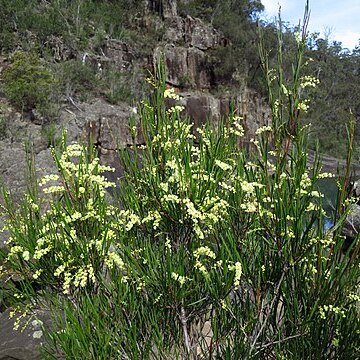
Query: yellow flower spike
{"points": [[222, 165], [170, 94], [238, 272]]}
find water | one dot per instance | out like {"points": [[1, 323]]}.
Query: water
{"points": [[329, 189]]}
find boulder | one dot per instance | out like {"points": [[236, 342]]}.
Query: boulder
{"points": [[200, 107], [200, 35], [17, 344], [351, 225], [199, 74], [175, 61], [117, 52]]}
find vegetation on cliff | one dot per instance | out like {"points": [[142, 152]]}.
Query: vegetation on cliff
{"points": [[64, 33]]}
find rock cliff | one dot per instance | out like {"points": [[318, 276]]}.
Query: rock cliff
{"points": [[185, 45]]}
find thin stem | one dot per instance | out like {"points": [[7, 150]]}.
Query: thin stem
{"points": [[277, 342], [183, 320], [276, 293]]}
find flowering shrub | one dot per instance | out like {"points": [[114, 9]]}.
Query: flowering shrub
{"points": [[29, 84], [56, 248], [207, 252]]}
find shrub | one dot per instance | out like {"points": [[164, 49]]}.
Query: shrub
{"points": [[76, 78], [117, 86], [29, 84], [32, 22], [2, 127]]}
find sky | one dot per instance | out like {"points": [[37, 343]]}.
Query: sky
{"points": [[339, 18]]}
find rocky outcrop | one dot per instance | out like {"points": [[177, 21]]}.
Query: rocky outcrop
{"points": [[108, 124], [200, 106], [186, 67], [59, 51], [118, 53], [185, 51], [193, 32], [200, 35], [351, 227], [21, 344]]}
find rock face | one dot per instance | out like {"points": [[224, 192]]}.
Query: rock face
{"points": [[185, 52], [118, 53], [252, 108], [199, 35], [351, 226], [186, 55], [17, 344], [108, 124], [186, 67], [200, 106], [352, 223]]}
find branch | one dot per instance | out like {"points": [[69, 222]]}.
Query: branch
{"points": [[277, 342], [73, 102], [276, 293], [183, 320]]}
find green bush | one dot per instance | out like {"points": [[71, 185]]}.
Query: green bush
{"points": [[208, 252], [28, 84], [2, 127], [76, 78], [32, 22]]}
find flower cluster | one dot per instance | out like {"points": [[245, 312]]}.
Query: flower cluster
{"points": [[328, 309], [76, 230], [263, 129], [170, 94], [309, 81], [236, 128], [179, 174]]}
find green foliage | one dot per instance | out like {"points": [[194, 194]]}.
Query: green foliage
{"points": [[208, 252], [337, 95], [234, 19], [29, 84], [75, 21], [117, 85], [76, 78], [209, 9], [52, 134], [2, 127], [55, 264]]}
